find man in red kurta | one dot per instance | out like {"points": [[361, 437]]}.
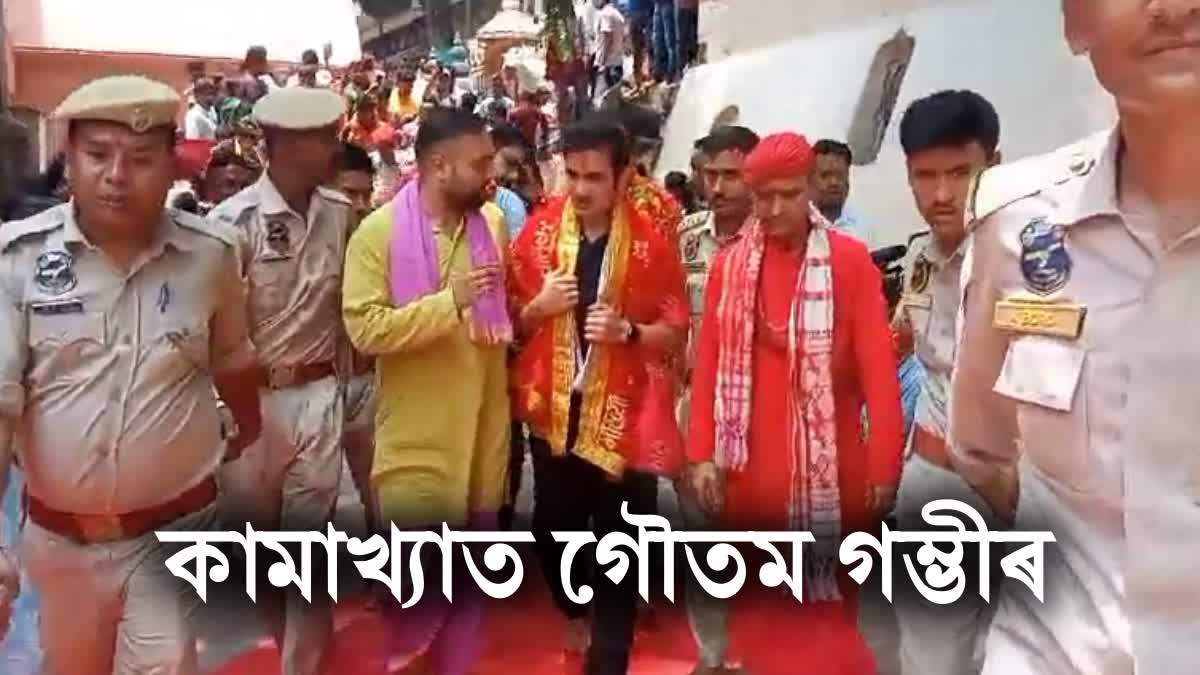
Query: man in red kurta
{"points": [[795, 340]]}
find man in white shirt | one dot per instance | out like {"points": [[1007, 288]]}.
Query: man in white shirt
{"points": [[310, 74], [831, 188], [947, 137], [1074, 397], [426, 78], [496, 101], [588, 12], [200, 123], [610, 42]]}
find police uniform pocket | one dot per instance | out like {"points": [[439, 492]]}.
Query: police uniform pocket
{"points": [[61, 343], [919, 317], [185, 342], [1042, 371], [1043, 375], [271, 281]]}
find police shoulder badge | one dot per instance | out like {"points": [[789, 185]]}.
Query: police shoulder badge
{"points": [[691, 247], [920, 275], [278, 237], [54, 273], [1045, 263]]}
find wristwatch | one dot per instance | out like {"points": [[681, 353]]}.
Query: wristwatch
{"points": [[632, 332]]}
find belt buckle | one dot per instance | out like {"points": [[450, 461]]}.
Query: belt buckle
{"points": [[281, 377], [101, 528]]}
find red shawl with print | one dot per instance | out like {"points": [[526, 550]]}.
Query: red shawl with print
{"points": [[653, 199], [627, 419]]}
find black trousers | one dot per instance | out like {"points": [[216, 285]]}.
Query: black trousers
{"points": [[572, 495], [516, 462]]}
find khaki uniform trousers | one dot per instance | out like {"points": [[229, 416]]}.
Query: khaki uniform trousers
{"points": [[289, 480], [708, 617], [940, 639], [114, 608], [359, 434]]}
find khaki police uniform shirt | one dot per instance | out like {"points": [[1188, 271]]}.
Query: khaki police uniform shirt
{"points": [[293, 263], [1101, 423], [108, 372], [930, 305], [698, 246]]}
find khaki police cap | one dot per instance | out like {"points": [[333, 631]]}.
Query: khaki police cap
{"points": [[137, 102], [299, 108]]}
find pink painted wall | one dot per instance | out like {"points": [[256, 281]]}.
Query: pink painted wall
{"points": [[43, 78], [58, 45]]}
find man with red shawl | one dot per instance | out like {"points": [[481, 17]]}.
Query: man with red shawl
{"points": [[645, 194], [644, 126], [664, 210], [601, 305], [795, 340]]}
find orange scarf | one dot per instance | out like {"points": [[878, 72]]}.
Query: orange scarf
{"points": [[620, 380]]}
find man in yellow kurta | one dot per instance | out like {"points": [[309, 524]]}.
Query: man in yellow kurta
{"points": [[424, 294], [404, 104]]}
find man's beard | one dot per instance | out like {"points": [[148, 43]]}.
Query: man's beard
{"points": [[831, 208], [470, 200]]}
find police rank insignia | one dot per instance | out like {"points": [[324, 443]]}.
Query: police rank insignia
{"points": [[55, 272], [278, 237], [140, 121], [1045, 263], [922, 269]]}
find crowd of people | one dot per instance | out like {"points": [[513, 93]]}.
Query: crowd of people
{"points": [[432, 340], [661, 34], [222, 151]]}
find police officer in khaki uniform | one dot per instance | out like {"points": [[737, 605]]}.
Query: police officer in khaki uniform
{"points": [[948, 138], [701, 237], [293, 243], [354, 178], [117, 322], [1075, 398], [703, 234]]}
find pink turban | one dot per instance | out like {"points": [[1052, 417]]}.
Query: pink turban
{"points": [[785, 155]]}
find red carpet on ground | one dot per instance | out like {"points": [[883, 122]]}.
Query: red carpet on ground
{"points": [[525, 634]]}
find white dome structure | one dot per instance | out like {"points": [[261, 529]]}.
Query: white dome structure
{"points": [[510, 23]]}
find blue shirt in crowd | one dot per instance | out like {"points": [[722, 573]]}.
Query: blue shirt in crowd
{"points": [[514, 210]]}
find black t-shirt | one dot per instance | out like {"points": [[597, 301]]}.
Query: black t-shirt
{"points": [[587, 272]]}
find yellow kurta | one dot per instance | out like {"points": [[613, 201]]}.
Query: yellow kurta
{"points": [[406, 108], [442, 429]]}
